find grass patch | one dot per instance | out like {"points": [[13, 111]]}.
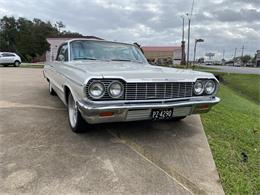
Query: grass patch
{"points": [[247, 85], [31, 65], [202, 68], [233, 127]]}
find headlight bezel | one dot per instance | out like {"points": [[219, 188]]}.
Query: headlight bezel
{"points": [[204, 83], [214, 88], [109, 89], [101, 95], [202, 91]]}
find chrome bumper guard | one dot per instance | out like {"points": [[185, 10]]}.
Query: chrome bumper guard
{"points": [[142, 111]]}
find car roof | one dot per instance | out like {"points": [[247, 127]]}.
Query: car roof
{"points": [[97, 40], [7, 52]]}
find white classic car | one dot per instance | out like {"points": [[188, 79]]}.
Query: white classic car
{"points": [[102, 81]]}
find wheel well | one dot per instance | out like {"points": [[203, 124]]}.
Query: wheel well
{"points": [[17, 61], [66, 93]]}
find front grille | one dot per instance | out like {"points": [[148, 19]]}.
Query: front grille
{"points": [[148, 91], [151, 91]]}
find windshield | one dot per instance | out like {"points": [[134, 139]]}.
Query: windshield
{"points": [[99, 50]]}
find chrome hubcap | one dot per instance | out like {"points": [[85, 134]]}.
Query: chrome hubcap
{"points": [[73, 111]]}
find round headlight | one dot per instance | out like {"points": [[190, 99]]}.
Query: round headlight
{"points": [[115, 89], [96, 90], [210, 87], [198, 88]]}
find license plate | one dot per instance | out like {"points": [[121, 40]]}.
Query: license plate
{"points": [[160, 114]]}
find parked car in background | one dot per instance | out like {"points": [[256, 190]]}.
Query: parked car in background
{"points": [[8, 58], [102, 81]]}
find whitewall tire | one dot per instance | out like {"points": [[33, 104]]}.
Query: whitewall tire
{"points": [[77, 123]]}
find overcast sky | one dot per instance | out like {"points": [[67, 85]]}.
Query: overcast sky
{"points": [[223, 24]]}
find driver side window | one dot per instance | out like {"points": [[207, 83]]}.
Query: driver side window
{"points": [[62, 53]]}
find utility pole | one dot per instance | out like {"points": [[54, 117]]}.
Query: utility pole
{"points": [[242, 52], [182, 43], [188, 49], [223, 57], [195, 49], [189, 21], [235, 56]]}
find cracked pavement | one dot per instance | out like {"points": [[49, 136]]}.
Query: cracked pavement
{"points": [[40, 155]]}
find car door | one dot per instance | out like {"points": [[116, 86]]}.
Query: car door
{"points": [[62, 57], [8, 58]]}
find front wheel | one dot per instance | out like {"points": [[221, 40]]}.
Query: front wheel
{"points": [[76, 121]]}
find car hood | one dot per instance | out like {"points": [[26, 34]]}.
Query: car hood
{"points": [[130, 71]]}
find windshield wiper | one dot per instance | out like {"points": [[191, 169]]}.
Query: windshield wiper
{"points": [[84, 58], [126, 60]]}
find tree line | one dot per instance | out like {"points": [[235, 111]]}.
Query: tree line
{"points": [[27, 37]]}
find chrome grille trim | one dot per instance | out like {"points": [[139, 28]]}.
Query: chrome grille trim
{"points": [[147, 90], [167, 90]]}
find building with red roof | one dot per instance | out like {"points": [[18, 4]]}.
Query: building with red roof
{"points": [[165, 54]]}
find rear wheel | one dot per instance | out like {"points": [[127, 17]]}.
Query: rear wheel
{"points": [[16, 63], [76, 121]]}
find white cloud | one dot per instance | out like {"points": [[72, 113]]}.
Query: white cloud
{"points": [[223, 24]]}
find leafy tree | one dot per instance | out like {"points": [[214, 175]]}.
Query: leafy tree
{"points": [[28, 37], [8, 33], [245, 59], [59, 25], [254, 59]]}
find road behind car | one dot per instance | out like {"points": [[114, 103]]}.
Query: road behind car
{"points": [[234, 69], [40, 155]]}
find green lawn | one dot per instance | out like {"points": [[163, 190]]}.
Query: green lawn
{"points": [[31, 65], [233, 127], [247, 85]]}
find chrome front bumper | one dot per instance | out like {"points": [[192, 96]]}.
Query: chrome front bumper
{"points": [[142, 111]]}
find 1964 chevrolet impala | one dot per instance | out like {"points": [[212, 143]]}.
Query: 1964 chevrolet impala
{"points": [[102, 81]]}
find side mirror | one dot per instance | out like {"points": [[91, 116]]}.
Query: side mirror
{"points": [[61, 57]]}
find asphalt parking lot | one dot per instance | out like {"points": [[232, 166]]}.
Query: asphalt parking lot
{"points": [[40, 155]]}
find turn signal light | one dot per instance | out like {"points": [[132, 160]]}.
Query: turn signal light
{"points": [[104, 114], [203, 107]]}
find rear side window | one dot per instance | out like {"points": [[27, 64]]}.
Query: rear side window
{"points": [[8, 55]]}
